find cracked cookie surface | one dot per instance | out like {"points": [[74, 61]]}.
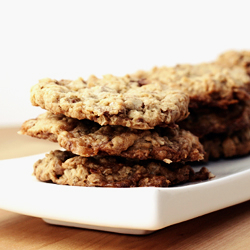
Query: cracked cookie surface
{"points": [[209, 84], [87, 138], [112, 101], [65, 168], [234, 58]]}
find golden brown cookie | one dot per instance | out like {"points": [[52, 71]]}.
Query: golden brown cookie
{"points": [[112, 101], [63, 167], [87, 138], [207, 84], [234, 58]]}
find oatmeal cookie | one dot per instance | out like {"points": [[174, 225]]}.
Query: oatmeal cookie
{"points": [[203, 121], [112, 101], [234, 58], [207, 84], [87, 138], [227, 145], [63, 167]]}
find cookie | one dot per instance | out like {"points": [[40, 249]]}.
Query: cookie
{"points": [[203, 121], [234, 58], [207, 84], [227, 145], [87, 138], [112, 101], [65, 168]]}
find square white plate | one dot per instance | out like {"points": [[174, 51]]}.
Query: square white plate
{"points": [[121, 210]]}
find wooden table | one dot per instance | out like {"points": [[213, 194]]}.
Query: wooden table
{"points": [[225, 229]]}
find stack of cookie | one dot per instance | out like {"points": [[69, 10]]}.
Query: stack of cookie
{"points": [[219, 101], [117, 132]]}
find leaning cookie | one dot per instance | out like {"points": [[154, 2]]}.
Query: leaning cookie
{"points": [[87, 138], [112, 101], [227, 145], [207, 84], [205, 120], [65, 168]]}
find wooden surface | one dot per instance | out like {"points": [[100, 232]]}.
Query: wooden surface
{"points": [[225, 229]]}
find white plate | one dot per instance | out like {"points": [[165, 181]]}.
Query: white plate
{"points": [[122, 210]]}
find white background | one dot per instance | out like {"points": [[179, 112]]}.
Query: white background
{"points": [[68, 39]]}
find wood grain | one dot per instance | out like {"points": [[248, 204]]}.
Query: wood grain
{"points": [[225, 229], [13, 145]]}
